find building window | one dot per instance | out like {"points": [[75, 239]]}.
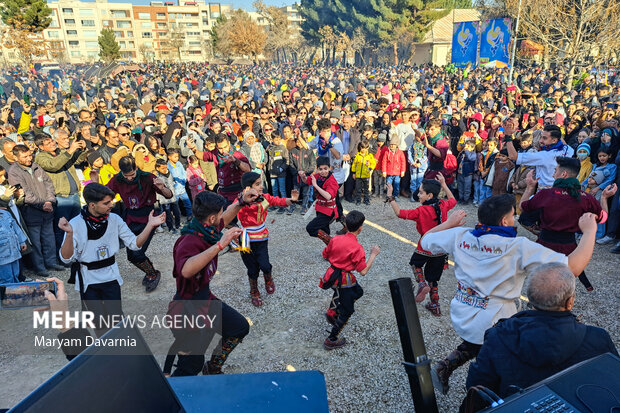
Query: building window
{"points": [[131, 45], [144, 16], [118, 13], [70, 22], [172, 15], [161, 15], [107, 23], [92, 45], [52, 34], [195, 52], [75, 54], [118, 33], [88, 23], [121, 24], [54, 22], [148, 45], [67, 11], [147, 35], [71, 32], [90, 33], [92, 54], [122, 45], [74, 43], [130, 34], [194, 43], [146, 25], [162, 25], [193, 33], [87, 13]]}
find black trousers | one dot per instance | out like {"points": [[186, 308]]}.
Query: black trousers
{"points": [[343, 300], [194, 343], [257, 259], [433, 266], [339, 203], [135, 257], [104, 300], [361, 189], [348, 188], [321, 221]]}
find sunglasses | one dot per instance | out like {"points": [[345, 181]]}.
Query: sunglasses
{"points": [[268, 130], [124, 134], [263, 113]]}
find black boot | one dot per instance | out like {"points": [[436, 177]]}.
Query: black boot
{"points": [[342, 230], [442, 371], [152, 277], [333, 342]]}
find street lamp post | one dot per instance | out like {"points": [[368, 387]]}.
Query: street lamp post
{"points": [[514, 45]]}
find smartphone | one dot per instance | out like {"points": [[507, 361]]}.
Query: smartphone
{"points": [[540, 121], [27, 99], [23, 295], [17, 186]]}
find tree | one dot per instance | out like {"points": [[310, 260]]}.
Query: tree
{"points": [[575, 33], [213, 34], [109, 49], [280, 36], [28, 15], [27, 45], [177, 40], [239, 35]]}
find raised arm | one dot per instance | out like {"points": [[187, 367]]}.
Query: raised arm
{"points": [[578, 259]]}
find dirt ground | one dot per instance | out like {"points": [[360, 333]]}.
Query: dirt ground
{"points": [[288, 330]]}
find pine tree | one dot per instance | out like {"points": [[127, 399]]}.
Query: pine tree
{"points": [[109, 49], [30, 15]]}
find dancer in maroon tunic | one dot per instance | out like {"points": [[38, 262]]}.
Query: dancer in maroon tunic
{"points": [[229, 164], [138, 190], [561, 206]]}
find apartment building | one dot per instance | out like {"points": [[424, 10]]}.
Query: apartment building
{"points": [[162, 30], [158, 31]]}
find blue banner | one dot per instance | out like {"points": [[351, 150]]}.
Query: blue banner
{"points": [[495, 41], [464, 43]]}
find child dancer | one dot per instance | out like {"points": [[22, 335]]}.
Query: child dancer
{"points": [[326, 188], [363, 165], [345, 255], [427, 267], [252, 218]]}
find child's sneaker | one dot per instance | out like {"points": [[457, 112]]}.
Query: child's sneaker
{"points": [[423, 289], [291, 209], [367, 202], [332, 345], [303, 211]]}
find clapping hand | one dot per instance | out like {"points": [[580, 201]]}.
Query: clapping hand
{"points": [[156, 220]]}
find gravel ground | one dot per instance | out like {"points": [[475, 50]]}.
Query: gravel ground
{"points": [[288, 330]]}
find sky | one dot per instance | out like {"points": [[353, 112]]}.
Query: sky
{"points": [[237, 4]]}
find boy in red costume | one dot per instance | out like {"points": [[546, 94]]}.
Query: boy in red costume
{"points": [[345, 254], [325, 188], [427, 268], [252, 218]]}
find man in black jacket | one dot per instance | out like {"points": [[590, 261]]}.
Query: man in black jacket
{"points": [[533, 345]]}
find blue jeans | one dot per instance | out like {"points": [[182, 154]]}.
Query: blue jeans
{"points": [[43, 244], [187, 204], [464, 185], [278, 186], [417, 176], [394, 180], [485, 192], [68, 207], [477, 191], [9, 272]]}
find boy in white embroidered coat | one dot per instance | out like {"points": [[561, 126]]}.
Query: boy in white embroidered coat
{"points": [[491, 263], [92, 241]]}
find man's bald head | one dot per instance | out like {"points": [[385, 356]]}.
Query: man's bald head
{"points": [[550, 287]]}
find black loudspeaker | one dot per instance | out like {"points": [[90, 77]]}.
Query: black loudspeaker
{"points": [[591, 386], [417, 364]]}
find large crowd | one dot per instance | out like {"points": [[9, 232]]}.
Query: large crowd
{"points": [[155, 146]]}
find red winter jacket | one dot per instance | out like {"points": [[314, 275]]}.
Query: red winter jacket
{"points": [[393, 163]]}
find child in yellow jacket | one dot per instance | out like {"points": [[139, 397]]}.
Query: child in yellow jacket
{"points": [[363, 165]]}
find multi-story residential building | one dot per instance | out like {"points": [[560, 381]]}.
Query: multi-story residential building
{"points": [[159, 31]]}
